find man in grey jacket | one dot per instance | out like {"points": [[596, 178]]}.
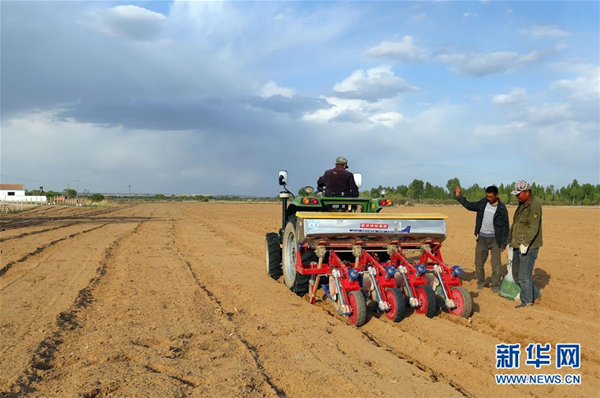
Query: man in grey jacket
{"points": [[491, 229]]}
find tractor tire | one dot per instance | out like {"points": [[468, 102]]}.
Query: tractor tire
{"points": [[295, 281], [426, 297], [397, 302], [463, 301], [273, 251], [357, 302]]}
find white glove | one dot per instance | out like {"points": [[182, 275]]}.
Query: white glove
{"points": [[523, 249]]}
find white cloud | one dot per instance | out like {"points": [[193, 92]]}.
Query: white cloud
{"points": [[509, 11], [135, 13], [372, 85], [129, 21], [355, 112], [470, 15], [483, 64], [544, 31], [388, 119], [171, 116], [497, 130], [570, 143], [405, 50], [546, 114], [584, 87], [271, 88], [515, 96]]}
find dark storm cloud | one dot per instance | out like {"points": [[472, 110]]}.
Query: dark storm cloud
{"points": [[120, 95], [68, 59], [225, 116], [295, 106]]}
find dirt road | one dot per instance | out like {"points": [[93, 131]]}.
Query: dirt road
{"points": [[173, 300]]}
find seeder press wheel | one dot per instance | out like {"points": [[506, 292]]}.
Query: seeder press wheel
{"points": [[462, 300], [358, 305], [397, 303], [426, 297]]}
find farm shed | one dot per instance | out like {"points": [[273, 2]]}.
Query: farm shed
{"points": [[16, 193]]}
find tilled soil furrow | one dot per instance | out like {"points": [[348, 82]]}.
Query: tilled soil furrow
{"points": [[347, 344], [24, 234], [181, 305], [433, 374], [43, 356], [22, 220], [41, 249], [480, 329], [151, 328], [251, 349]]}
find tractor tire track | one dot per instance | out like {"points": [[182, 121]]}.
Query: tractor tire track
{"points": [[41, 249], [434, 375], [24, 234], [162, 329], [423, 371], [229, 317], [66, 322], [71, 215], [378, 339]]}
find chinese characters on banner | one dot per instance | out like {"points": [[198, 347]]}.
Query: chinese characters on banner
{"points": [[508, 356]]}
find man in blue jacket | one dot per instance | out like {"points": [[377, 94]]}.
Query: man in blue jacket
{"points": [[491, 230]]}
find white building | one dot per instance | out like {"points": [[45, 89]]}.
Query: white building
{"points": [[16, 193]]}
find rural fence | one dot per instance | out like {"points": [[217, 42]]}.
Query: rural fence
{"points": [[11, 206]]}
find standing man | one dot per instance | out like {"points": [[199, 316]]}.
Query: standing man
{"points": [[491, 230], [338, 181], [526, 240]]}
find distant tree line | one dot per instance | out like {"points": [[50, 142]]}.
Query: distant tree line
{"points": [[67, 193], [419, 191]]}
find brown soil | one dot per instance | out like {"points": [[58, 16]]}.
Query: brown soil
{"points": [[174, 300]]}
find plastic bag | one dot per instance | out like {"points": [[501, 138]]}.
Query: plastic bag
{"points": [[509, 289]]}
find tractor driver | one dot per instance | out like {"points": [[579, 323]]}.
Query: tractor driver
{"points": [[338, 181]]}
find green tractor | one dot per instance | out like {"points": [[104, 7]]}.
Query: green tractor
{"points": [[308, 201]]}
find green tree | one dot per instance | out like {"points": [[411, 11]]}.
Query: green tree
{"points": [[97, 197], [417, 187], [453, 182]]}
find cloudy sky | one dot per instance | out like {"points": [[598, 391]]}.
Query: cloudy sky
{"points": [[216, 97]]}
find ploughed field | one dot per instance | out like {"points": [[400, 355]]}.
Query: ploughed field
{"points": [[173, 300]]}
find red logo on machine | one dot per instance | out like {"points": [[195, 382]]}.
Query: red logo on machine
{"points": [[374, 226]]}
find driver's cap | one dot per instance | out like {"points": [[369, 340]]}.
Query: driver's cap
{"points": [[341, 161], [520, 187]]}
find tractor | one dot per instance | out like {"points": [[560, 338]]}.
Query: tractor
{"points": [[360, 257]]}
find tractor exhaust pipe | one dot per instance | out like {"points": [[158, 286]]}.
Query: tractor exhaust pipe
{"points": [[283, 195]]}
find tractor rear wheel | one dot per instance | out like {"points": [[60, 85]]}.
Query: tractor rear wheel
{"points": [[357, 303], [273, 250], [397, 303], [462, 300], [427, 300], [295, 281]]}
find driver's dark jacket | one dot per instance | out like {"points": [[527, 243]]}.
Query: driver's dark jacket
{"points": [[338, 182]]}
